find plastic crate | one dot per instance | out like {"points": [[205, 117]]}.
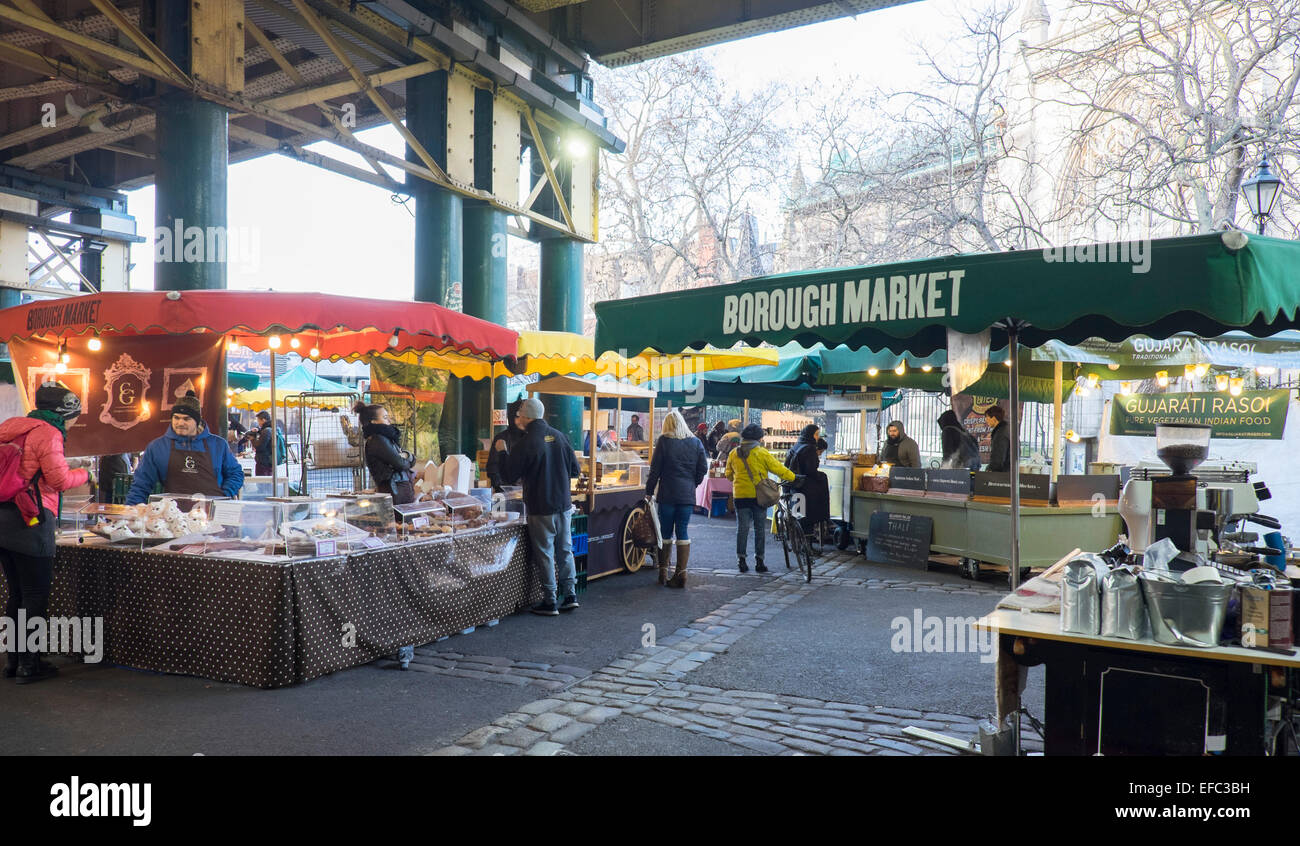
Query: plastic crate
{"points": [[718, 505], [578, 525], [580, 544], [580, 562]]}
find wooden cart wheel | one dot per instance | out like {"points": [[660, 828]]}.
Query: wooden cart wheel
{"points": [[634, 557]]}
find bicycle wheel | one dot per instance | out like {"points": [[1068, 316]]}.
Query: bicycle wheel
{"points": [[802, 548], [783, 535]]}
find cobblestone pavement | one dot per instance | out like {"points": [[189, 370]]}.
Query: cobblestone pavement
{"points": [[650, 683]]}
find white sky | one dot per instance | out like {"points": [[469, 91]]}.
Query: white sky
{"points": [[316, 231]]}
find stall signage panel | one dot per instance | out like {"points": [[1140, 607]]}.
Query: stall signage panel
{"points": [[955, 482], [902, 539], [1033, 486], [906, 478], [1254, 414], [1082, 489], [858, 401], [128, 387]]}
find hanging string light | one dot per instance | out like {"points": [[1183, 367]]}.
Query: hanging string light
{"points": [[1162, 378], [1235, 385], [1221, 382]]}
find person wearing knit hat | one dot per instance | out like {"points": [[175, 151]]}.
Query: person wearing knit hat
{"points": [[187, 459], [28, 521], [543, 461]]}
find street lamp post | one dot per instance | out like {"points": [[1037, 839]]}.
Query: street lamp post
{"points": [[1260, 193]]}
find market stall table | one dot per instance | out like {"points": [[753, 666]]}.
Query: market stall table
{"points": [[275, 623], [1211, 700], [710, 486]]}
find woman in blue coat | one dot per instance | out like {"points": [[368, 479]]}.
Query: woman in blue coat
{"points": [[678, 467]]}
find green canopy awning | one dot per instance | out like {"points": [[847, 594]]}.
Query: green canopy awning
{"points": [[242, 381], [1205, 284]]}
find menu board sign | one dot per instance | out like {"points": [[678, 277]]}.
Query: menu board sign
{"points": [[954, 484], [906, 479], [1034, 487], [902, 539]]}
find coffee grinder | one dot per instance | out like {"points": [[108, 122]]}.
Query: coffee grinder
{"points": [[1181, 447]]}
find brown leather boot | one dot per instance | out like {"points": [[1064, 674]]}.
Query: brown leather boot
{"points": [[683, 558], [665, 557]]}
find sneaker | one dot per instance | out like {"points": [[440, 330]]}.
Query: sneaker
{"points": [[545, 609], [570, 602], [760, 567]]}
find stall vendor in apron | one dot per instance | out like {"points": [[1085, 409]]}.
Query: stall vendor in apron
{"points": [[188, 459]]}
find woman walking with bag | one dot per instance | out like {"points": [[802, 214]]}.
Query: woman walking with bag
{"points": [[678, 467], [747, 466], [389, 466], [28, 522]]}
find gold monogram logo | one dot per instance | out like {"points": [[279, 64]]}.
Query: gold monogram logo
{"points": [[126, 393]]}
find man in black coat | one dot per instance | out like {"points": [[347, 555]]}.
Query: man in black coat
{"points": [[1000, 444], [510, 436], [543, 461]]}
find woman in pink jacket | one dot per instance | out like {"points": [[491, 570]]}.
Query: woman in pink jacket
{"points": [[26, 551]]}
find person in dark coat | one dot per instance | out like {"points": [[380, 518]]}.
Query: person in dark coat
{"points": [[803, 460], [544, 462], [899, 449], [1000, 443], [509, 436], [388, 464], [960, 449], [264, 443], [702, 435], [711, 444], [678, 467]]}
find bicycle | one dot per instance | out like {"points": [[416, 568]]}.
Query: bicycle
{"points": [[791, 534]]}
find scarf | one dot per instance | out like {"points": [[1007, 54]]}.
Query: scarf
{"points": [[55, 420], [391, 432]]}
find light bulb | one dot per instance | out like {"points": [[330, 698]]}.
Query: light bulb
{"points": [[1221, 382], [94, 345], [926, 368], [1007, 362], [232, 344], [1236, 383], [1162, 378], [1125, 388], [64, 358], [1072, 436], [1113, 366], [1093, 380], [61, 367], [394, 340], [872, 371], [314, 352], [273, 342], [1202, 369], [294, 343], [901, 368]]}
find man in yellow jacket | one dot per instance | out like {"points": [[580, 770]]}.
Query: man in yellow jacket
{"points": [[748, 464]]}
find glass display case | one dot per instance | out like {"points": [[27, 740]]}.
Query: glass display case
{"points": [[164, 517], [619, 469], [372, 512]]}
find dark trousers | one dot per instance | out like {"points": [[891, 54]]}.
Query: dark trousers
{"points": [[28, 580]]}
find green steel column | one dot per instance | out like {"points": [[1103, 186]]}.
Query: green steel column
{"points": [[190, 196], [560, 309], [438, 271], [485, 297]]}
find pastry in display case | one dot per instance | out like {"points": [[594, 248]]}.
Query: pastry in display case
{"points": [[614, 469], [372, 512], [164, 517], [452, 513]]}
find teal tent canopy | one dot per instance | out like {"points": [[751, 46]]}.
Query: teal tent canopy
{"points": [[242, 381]]}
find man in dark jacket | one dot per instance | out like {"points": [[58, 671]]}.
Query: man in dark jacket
{"points": [[544, 462], [899, 449], [510, 436], [1000, 444]]}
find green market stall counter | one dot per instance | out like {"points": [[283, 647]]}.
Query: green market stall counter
{"points": [[980, 532]]}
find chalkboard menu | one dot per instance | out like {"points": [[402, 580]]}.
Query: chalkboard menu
{"points": [[1035, 488], [902, 539], [948, 484], [906, 480]]}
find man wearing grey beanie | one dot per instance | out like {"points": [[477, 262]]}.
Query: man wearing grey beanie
{"points": [[542, 460]]}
